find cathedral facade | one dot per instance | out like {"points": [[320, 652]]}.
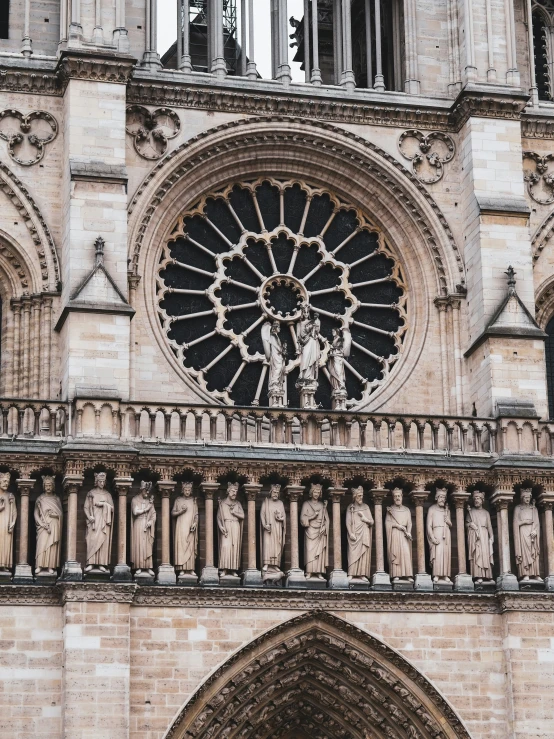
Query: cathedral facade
{"points": [[277, 370]]}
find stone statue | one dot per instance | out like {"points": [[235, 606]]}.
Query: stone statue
{"points": [[99, 512], [480, 539], [8, 517], [439, 524], [340, 348], [48, 520], [527, 537], [185, 530], [143, 529], [273, 529], [230, 520], [307, 335], [398, 524], [276, 355], [315, 520], [359, 528]]}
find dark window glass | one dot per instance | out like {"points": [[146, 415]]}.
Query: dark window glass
{"points": [[4, 18], [541, 58], [549, 350]]}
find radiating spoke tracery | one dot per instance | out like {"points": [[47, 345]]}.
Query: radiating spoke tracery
{"points": [[257, 253]]}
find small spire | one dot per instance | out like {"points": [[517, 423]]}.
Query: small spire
{"points": [[99, 246], [511, 273]]}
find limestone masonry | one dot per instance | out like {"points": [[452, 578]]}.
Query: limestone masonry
{"points": [[277, 370]]}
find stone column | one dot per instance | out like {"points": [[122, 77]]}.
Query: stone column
{"points": [[463, 580], [26, 42], [501, 499], [166, 571], [546, 503], [216, 65], [295, 576], [151, 58], [380, 579], [338, 579], [72, 569], [122, 571], [23, 570], [210, 575], [347, 77], [252, 577], [423, 581]]}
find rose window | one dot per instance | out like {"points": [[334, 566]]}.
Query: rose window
{"points": [[257, 253]]}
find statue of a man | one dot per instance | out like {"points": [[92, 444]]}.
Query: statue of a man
{"points": [[273, 528], [143, 529], [439, 525], [308, 343], [276, 355], [359, 527], [48, 520], [230, 520], [398, 524], [527, 537], [315, 520], [480, 539], [185, 530], [8, 517], [99, 512]]}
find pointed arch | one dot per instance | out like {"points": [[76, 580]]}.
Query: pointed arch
{"points": [[319, 675]]}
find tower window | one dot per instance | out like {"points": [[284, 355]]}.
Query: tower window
{"points": [[4, 18]]}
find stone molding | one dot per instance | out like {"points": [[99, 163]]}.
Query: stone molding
{"points": [[321, 136], [36, 224], [37, 82], [283, 599], [83, 65]]}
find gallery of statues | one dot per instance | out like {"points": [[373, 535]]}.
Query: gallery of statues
{"points": [[276, 369]]}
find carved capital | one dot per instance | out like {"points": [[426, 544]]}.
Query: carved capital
{"points": [[166, 487], [418, 497], [502, 498], [72, 483], [337, 493], [122, 485], [294, 492], [209, 489], [24, 486], [252, 490], [460, 497], [546, 500], [378, 495]]}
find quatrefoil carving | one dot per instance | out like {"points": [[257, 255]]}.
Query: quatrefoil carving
{"points": [[427, 152], [151, 130], [538, 176], [27, 135]]}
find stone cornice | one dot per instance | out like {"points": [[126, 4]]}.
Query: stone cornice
{"points": [[282, 599], [85, 65]]}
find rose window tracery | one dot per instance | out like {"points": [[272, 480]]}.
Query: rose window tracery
{"points": [[266, 253]]}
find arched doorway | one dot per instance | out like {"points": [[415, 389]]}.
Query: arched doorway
{"points": [[317, 676]]}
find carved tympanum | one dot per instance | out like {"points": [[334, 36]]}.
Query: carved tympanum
{"points": [[539, 177], [27, 135], [151, 130], [427, 152]]}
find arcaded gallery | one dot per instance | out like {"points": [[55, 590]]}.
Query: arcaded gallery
{"points": [[276, 369]]}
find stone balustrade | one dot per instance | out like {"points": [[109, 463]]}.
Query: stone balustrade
{"points": [[134, 422]]}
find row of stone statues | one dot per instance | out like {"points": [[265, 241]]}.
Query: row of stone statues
{"points": [[314, 518]]}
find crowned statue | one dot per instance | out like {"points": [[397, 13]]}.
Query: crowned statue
{"points": [[99, 512], [48, 521]]}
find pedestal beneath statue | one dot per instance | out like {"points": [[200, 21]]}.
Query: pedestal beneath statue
{"points": [[187, 579], [122, 573], [508, 581], [252, 578], [144, 578], [72, 572], [209, 577], [307, 393], [338, 580], [423, 582], [23, 574], [381, 581], [338, 400], [229, 581], [464, 583], [296, 579], [97, 575]]}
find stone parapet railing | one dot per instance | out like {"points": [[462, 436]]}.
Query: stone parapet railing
{"points": [[174, 424]]}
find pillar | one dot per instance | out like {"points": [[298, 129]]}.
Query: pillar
{"points": [[122, 571], [546, 503], [283, 70], [216, 65], [380, 579], [295, 576], [75, 27], [338, 579], [166, 571], [463, 581], [72, 569], [210, 575], [412, 84], [23, 570], [423, 580], [26, 42], [120, 34], [151, 58], [347, 75], [252, 577], [501, 499]]}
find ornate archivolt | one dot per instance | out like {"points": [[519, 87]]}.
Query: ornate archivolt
{"points": [[252, 255], [321, 675]]}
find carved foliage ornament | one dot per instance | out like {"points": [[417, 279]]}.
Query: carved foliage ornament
{"points": [[427, 152], [539, 177], [151, 130], [257, 252], [27, 135]]}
